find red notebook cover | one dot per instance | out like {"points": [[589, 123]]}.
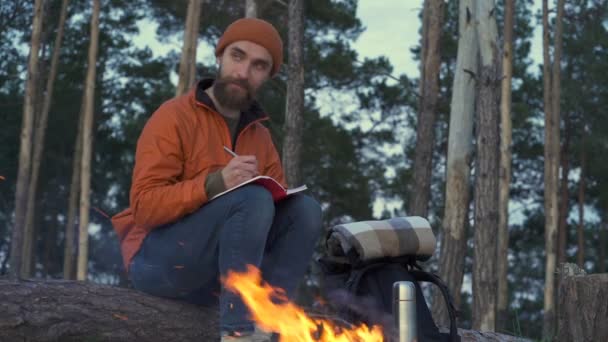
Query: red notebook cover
{"points": [[276, 189]]}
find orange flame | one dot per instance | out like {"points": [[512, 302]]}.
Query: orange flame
{"points": [[272, 312]]}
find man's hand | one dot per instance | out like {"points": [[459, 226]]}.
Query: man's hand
{"points": [[239, 170]]}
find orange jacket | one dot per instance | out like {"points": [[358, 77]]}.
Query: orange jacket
{"points": [[180, 145]]}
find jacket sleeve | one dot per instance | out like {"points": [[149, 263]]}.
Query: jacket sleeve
{"points": [[158, 194]]}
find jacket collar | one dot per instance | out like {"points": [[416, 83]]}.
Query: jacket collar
{"points": [[253, 113]]}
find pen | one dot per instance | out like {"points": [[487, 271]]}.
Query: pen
{"points": [[230, 151]]}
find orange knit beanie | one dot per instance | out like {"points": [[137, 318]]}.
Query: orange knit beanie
{"points": [[257, 31]]}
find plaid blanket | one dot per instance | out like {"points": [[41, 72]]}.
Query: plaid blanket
{"points": [[395, 237]]}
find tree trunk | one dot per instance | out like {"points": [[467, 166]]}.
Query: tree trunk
{"points": [[583, 303], [187, 64], [453, 240], [425, 130], [294, 111], [602, 253], [61, 310], [87, 147], [25, 148], [80, 311], [502, 259], [485, 278], [564, 205], [552, 122], [564, 202], [580, 252], [423, 48], [28, 251], [39, 142], [251, 9], [549, 201], [69, 250]]}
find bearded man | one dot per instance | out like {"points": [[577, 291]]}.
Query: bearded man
{"points": [[175, 241]]}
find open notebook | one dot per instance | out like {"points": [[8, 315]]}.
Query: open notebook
{"points": [[276, 189]]}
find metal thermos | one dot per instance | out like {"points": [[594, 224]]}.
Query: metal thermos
{"points": [[404, 310]]}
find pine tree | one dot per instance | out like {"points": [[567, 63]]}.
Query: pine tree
{"points": [[552, 99], [429, 94], [294, 110], [39, 136], [486, 170], [87, 146], [457, 198], [25, 156], [187, 65], [502, 257]]}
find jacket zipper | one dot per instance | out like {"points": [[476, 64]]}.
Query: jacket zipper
{"points": [[233, 148]]}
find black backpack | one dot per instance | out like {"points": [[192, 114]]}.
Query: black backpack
{"points": [[363, 294]]}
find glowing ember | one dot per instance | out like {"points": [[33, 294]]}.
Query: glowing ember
{"points": [[272, 312]]}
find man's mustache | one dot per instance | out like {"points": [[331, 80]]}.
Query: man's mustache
{"points": [[240, 82]]}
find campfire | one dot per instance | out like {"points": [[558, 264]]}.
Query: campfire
{"points": [[271, 310]]}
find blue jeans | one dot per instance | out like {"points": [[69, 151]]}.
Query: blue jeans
{"points": [[185, 259]]}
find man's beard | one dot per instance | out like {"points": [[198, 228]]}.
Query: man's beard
{"points": [[239, 99]]}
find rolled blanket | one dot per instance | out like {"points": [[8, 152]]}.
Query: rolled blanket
{"points": [[396, 237]]}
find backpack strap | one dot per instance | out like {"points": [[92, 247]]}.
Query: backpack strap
{"points": [[357, 273], [420, 275]]}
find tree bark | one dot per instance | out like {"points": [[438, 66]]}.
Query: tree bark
{"points": [[602, 253], [485, 279], [423, 48], [502, 304], [294, 110], [583, 307], [564, 202], [453, 240], [580, 251], [251, 9], [39, 139], [80, 311], [564, 190], [187, 64], [87, 147], [425, 130], [549, 204], [551, 100], [67, 311], [29, 234], [25, 148], [69, 250]]}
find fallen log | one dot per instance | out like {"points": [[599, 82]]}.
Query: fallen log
{"points": [[58, 310], [36, 310], [582, 306], [488, 336]]}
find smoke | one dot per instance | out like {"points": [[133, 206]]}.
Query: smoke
{"points": [[355, 310]]}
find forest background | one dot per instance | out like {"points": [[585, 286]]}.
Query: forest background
{"points": [[362, 144]]}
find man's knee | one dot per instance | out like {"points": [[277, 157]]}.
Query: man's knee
{"points": [[254, 205], [255, 195], [308, 212]]}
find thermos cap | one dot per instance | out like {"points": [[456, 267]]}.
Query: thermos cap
{"points": [[404, 290]]}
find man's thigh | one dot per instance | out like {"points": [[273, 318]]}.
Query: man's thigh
{"points": [[181, 257], [178, 258]]}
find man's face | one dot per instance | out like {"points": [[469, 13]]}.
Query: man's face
{"points": [[244, 67]]}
